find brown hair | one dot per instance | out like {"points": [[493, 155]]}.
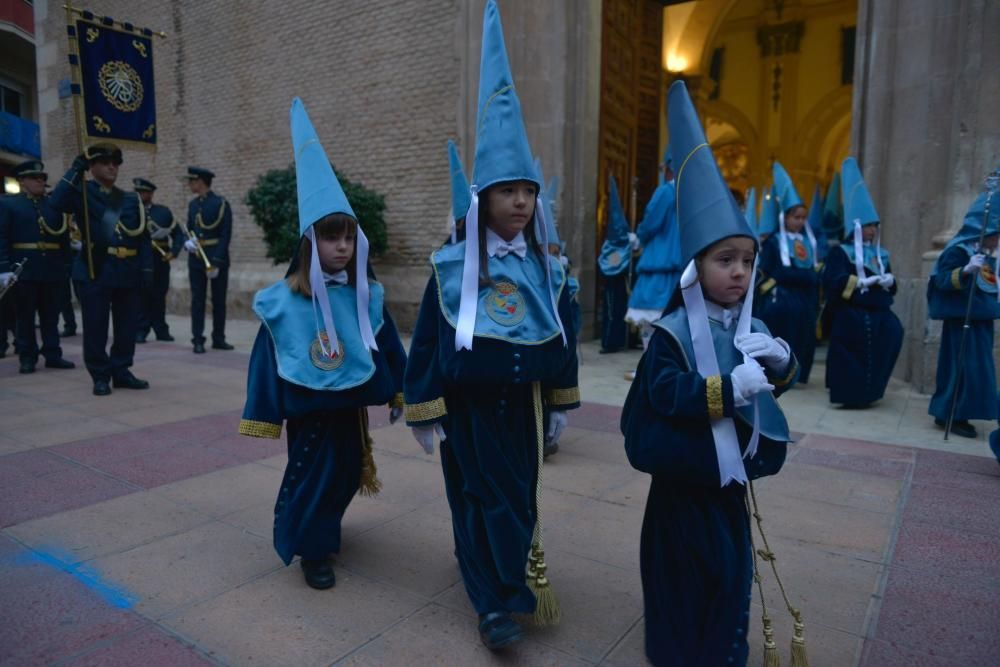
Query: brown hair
{"points": [[484, 218], [326, 227]]}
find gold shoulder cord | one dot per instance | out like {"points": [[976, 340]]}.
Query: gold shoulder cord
{"points": [[201, 222], [153, 227], [45, 226], [138, 230]]}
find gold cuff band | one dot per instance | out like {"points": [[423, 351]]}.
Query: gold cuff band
{"points": [[767, 286], [396, 401], [792, 369], [852, 283], [205, 243], [713, 394], [426, 411], [558, 397], [258, 429], [956, 278]]}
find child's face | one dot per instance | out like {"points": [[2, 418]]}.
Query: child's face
{"points": [[725, 270], [511, 204], [868, 233], [795, 219], [990, 242], [335, 251]]}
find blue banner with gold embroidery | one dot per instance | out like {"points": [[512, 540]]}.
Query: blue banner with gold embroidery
{"points": [[114, 78]]}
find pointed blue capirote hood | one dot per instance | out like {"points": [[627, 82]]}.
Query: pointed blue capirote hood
{"points": [[750, 210], [618, 228], [972, 224], [833, 210], [545, 197], [858, 204], [706, 210], [460, 197], [319, 190], [815, 220], [784, 189], [767, 223], [502, 150]]}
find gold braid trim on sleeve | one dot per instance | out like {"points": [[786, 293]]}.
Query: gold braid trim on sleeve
{"points": [[792, 369], [421, 412], [396, 401], [956, 278], [852, 283], [767, 286], [713, 393], [557, 397], [259, 429]]}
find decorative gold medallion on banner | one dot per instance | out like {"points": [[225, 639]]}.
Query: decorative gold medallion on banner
{"points": [[323, 361], [504, 305], [121, 85]]}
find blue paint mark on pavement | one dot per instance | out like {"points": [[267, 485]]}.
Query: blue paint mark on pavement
{"points": [[110, 593]]}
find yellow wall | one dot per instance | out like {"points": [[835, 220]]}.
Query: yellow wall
{"points": [[809, 132]]}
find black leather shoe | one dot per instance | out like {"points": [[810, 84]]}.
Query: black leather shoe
{"points": [[59, 363], [549, 448], [140, 339], [67, 332], [166, 337], [101, 388], [960, 428], [497, 630], [128, 381], [318, 573], [199, 348], [222, 346], [27, 366]]}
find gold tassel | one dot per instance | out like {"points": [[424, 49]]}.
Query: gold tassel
{"points": [[547, 611], [370, 484], [799, 656], [771, 657]]}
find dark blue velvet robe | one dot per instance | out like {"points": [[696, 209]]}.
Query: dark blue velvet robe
{"points": [[490, 402], [325, 439], [695, 552], [865, 335], [614, 331], [947, 295], [789, 308]]}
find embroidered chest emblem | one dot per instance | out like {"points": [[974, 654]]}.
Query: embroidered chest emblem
{"points": [[615, 258], [504, 305], [801, 252], [321, 360], [987, 274]]}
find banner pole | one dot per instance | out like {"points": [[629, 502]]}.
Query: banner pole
{"points": [[76, 81]]}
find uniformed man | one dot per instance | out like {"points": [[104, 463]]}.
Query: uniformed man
{"points": [[31, 230], [167, 239], [210, 221], [121, 255]]}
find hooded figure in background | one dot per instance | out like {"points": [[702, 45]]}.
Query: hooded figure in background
{"points": [[490, 355], [326, 350], [614, 263], [865, 335], [966, 265], [790, 300]]}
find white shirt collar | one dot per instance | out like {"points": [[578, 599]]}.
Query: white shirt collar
{"points": [[724, 316]]}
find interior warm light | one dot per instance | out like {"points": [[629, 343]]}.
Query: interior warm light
{"points": [[676, 63], [10, 185]]}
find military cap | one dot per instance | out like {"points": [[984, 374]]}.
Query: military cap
{"points": [[198, 172], [104, 150], [143, 184], [30, 168]]}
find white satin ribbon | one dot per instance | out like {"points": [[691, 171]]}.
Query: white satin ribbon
{"points": [[361, 289], [786, 259], [727, 444], [453, 227], [859, 254], [470, 277]]}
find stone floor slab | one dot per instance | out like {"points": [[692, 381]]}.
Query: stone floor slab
{"points": [[149, 645]]}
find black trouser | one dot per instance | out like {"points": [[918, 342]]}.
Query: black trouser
{"points": [[66, 304], [97, 303], [199, 287], [42, 298], [8, 318], [153, 313], [614, 330]]}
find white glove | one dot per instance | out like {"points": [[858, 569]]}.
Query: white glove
{"points": [[557, 422], [564, 260], [748, 380], [424, 436], [868, 281], [887, 281], [6, 279], [395, 414], [633, 240], [975, 263], [190, 245], [212, 273], [76, 244], [772, 352]]}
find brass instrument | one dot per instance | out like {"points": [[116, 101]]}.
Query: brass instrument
{"points": [[201, 251], [18, 267], [163, 253], [74, 230]]}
